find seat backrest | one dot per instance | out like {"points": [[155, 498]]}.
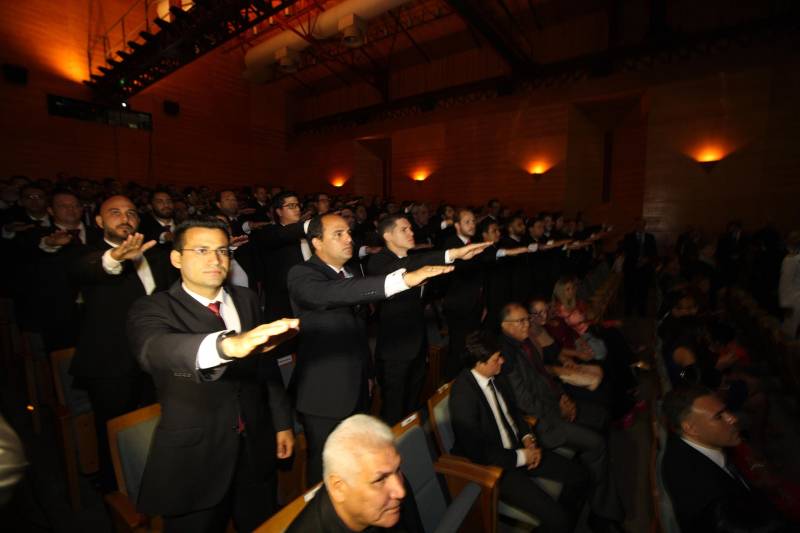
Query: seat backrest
{"points": [[439, 410], [280, 521], [75, 400], [417, 467], [129, 437]]}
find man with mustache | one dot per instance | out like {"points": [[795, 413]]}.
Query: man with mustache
{"points": [[113, 274]]}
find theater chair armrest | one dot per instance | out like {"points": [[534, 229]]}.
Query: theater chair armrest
{"points": [[455, 518], [123, 512], [460, 473]]}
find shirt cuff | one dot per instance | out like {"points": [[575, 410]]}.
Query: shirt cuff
{"points": [[533, 247], [443, 225], [395, 283], [520, 457], [111, 265], [8, 234], [305, 226], [161, 239], [362, 252], [246, 227], [49, 249], [447, 259], [500, 253], [207, 356]]}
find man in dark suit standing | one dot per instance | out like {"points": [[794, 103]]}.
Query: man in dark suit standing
{"points": [[214, 451], [158, 225], [708, 492], [561, 421], [640, 252], [113, 274], [402, 344], [333, 360], [490, 430]]}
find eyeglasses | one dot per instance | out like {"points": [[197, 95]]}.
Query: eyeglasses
{"points": [[290, 206], [519, 321], [539, 313], [202, 252]]}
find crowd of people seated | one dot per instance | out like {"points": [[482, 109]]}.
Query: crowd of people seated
{"points": [[171, 296]]}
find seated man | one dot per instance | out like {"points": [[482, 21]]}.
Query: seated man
{"points": [[561, 421], [490, 430], [362, 484], [707, 491]]}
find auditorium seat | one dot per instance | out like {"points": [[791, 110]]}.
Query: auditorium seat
{"points": [[129, 438], [281, 520], [75, 425], [435, 514]]}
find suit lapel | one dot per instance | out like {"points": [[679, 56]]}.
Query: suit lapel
{"points": [[487, 409], [194, 309], [245, 312]]}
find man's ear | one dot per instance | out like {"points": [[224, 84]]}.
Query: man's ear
{"points": [[175, 258], [336, 487], [99, 221], [316, 246], [688, 429]]}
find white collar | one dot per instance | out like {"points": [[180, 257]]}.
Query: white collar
{"points": [[163, 221], [715, 455], [465, 240], [482, 380], [61, 226], [221, 296], [515, 238], [111, 244], [337, 270]]}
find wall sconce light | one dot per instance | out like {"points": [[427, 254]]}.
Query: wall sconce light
{"points": [[338, 181], [708, 157], [420, 175], [537, 169]]}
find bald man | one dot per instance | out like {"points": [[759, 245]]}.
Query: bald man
{"points": [[113, 274]]}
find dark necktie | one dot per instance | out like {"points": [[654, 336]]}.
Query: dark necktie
{"points": [[214, 308], [734, 472], [341, 274], [506, 422], [540, 368]]}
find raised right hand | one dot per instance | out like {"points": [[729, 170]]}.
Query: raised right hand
{"points": [[416, 277], [132, 247], [267, 336], [58, 238]]}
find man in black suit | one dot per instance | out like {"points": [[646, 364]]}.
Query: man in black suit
{"points": [[228, 205], [30, 213], [333, 359], [113, 274], [708, 493], [363, 487], [283, 245], [402, 345], [54, 294], [561, 422], [159, 225], [490, 430], [730, 254], [640, 252], [259, 208], [213, 454]]}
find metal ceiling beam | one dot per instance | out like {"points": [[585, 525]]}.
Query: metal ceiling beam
{"points": [[518, 61]]}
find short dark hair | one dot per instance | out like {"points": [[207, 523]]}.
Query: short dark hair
{"points": [[506, 310], [480, 347], [484, 224], [459, 212], [677, 404], [207, 222], [278, 199], [161, 190], [218, 195], [388, 223], [315, 229], [61, 192]]}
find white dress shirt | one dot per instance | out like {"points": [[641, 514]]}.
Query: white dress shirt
{"points": [[483, 383], [52, 249], [207, 356], [114, 267], [716, 456]]}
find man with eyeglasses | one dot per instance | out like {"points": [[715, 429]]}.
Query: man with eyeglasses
{"points": [[30, 213], [708, 492], [225, 416], [112, 275], [539, 394]]}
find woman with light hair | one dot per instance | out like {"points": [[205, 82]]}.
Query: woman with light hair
{"points": [[362, 483]]}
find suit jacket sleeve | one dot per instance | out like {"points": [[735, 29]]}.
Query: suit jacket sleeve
{"points": [[275, 235], [514, 374], [155, 344], [475, 441], [383, 263], [311, 289], [87, 269]]}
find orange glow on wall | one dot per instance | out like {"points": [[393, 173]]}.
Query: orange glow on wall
{"points": [[538, 166], [338, 181], [420, 175], [708, 153]]}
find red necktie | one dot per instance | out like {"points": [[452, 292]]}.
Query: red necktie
{"points": [[341, 274], [214, 308]]}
